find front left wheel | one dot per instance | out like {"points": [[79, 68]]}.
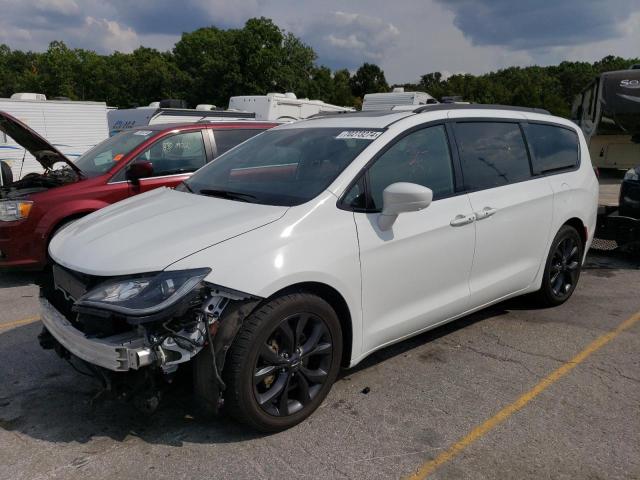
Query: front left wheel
{"points": [[283, 362]]}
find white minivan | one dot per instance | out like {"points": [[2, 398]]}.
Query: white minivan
{"points": [[311, 245]]}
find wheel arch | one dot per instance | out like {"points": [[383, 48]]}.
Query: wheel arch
{"points": [[334, 298], [579, 225]]}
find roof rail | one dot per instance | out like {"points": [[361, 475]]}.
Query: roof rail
{"points": [[477, 106]]}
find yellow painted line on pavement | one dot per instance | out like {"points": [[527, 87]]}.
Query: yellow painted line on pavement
{"points": [[17, 323], [481, 430]]}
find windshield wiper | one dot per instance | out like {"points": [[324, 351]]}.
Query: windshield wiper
{"points": [[227, 194]]}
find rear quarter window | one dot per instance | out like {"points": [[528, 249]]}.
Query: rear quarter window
{"points": [[492, 154], [554, 148]]}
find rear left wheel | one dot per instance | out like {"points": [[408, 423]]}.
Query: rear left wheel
{"points": [[563, 267], [283, 362]]}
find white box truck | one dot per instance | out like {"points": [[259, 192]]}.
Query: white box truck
{"points": [[71, 126]]}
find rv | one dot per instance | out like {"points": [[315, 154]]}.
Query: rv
{"points": [[397, 98], [608, 112], [167, 111], [73, 127], [282, 106]]}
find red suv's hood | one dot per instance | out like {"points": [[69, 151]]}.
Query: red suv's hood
{"points": [[45, 153]]}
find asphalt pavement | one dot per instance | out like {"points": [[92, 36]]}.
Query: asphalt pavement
{"points": [[510, 392]]}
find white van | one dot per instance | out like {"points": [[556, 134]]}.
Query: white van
{"points": [[73, 127], [316, 243]]}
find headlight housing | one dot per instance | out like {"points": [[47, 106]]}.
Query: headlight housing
{"points": [[144, 295], [632, 175], [11, 210]]}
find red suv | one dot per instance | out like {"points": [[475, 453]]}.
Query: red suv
{"points": [[33, 208]]}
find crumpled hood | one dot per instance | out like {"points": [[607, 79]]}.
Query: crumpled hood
{"points": [[45, 153], [149, 232]]}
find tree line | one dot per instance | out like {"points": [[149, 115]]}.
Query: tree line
{"points": [[209, 65]]}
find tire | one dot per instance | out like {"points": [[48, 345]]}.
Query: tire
{"points": [[270, 348], [562, 269]]}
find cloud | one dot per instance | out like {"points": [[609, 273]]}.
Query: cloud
{"points": [[168, 16], [540, 24], [411, 38], [347, 39], [57, 7], [108, 35]]}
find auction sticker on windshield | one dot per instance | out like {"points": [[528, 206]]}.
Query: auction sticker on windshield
{"points": [[144, 133], [359, 134]]}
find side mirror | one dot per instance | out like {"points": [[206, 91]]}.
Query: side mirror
{"points": [[138, 170], [402, 197]]}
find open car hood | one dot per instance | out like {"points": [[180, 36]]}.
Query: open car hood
{"points": [[45, 153]]}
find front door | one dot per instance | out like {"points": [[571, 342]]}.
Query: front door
{"points": [[174, 158], [415, 274]]}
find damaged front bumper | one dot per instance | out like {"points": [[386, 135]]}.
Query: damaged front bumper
{"points": [[119, 353]]}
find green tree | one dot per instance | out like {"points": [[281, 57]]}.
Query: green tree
{"points": [[368, 79]]}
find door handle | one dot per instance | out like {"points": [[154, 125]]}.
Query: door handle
{"points": [[460, 220], [486, 213]]}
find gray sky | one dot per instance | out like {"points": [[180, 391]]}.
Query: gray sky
{"points": [[407, 38]]}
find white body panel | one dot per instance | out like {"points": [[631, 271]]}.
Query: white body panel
{"points": [[126, 118], [386, 101], [422, 263], [511, 242], [396, 283], [277, 106], [72, 127]]}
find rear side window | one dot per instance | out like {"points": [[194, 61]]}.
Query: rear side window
{"points": [[227, 139], [554, 148], [492, 154]]}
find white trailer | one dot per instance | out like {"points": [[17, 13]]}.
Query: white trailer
{"points": [[157, 112], [282, 106], [71, 126], [397, 98]]}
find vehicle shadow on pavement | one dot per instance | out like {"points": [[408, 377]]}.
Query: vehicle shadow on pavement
{"points": [[47, 400], [44, 399], [19, 279]]}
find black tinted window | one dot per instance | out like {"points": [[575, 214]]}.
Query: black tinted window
{"points": [[227, 139], [287, 166], [554, 148], [421, 157], [492, 154]]}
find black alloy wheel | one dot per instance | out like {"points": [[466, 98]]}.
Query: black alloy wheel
{"points": [[562, 269], [293, 364], [283, 361]]}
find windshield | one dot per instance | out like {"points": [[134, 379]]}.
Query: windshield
{"points": [[106, 154], [282, 167]]}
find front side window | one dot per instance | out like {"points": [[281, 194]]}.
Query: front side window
{"points": [[101, 158], [554, 148], [282, 167], [175, 154], [492, 154], [422, 157]]}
